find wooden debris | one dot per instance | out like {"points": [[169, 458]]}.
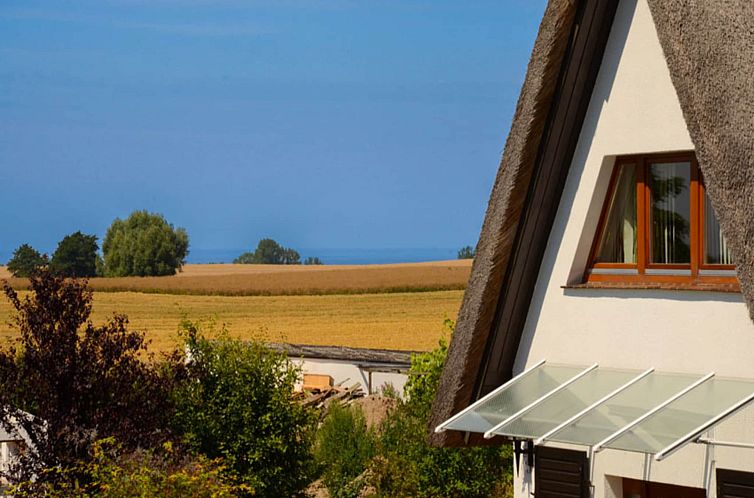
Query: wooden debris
{"points": [[323, 398]]}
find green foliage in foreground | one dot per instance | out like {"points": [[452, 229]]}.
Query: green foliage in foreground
{"points": [[466, 252], [114, 473], [76, 256], [26, 261], [239, 408], [344, 449], [403, 462], [144, 244], [269, 252]]}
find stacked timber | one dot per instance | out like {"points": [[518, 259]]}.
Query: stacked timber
{"points": [[324, 395]]}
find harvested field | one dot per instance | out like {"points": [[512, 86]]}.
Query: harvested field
{"points": [[411, 321], [269, 280]]}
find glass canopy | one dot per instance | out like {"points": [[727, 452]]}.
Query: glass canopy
{"points": [[511, 398], [647, 412]]}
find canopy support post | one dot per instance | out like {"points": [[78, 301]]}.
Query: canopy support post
{"points": [[590, 471], [709, 463]]}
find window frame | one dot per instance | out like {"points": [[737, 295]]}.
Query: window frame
{"points": [[644, 271]]}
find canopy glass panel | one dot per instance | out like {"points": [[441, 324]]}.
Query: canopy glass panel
{"points": [[623, 408], [685, 415], [647, 412], [566, 403], [516, 396]]}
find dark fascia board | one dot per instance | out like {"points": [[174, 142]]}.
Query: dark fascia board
{"points": [[483, 350], [583, 61]]}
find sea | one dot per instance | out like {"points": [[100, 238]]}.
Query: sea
{"points": [[337, 256], [327, 256]]}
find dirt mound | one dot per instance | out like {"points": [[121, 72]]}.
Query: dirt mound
{"points": [[375, 408]]}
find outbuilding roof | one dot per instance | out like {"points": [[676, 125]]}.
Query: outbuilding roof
{"points": [[709, 49], [344, 353]]}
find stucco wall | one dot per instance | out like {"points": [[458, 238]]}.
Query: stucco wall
{"points": [[634, 109], [350, 373]]}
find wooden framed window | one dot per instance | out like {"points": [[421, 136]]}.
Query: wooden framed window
{"points": [[658, 226]]}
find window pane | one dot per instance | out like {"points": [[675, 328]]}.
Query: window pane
{"points": [[670, 212], [618, 242], [716, 250]]}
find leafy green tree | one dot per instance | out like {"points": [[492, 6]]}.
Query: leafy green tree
{"points": [[466, 252], [238, 407], [269, 252], [144, 244], [79, 382], [76, 256], [313, 261], [26, 261], [344, 449], [408, 466]]}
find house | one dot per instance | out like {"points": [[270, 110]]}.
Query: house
{"points": [[373, 369], [607, 327], [14, 440]]}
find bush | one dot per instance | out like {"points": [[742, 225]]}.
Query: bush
{"points": [[312, 261], [344, 449], [466, 252], [409, 466], [115, 473], [239, 407], [80, 382], [144, 244], [76, 256], [269, 252], [26, 261]]}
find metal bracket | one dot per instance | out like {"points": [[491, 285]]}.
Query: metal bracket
{"points": [[520, 450]]}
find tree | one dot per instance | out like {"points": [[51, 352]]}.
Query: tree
{"points": [[312, 261], [80, 382], [408, 466], [144, 244], [269, 252], [76, 256], [466, 252], [26, 261], [238, 407]]}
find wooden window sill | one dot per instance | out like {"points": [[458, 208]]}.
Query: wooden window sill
{"points": [[732, 287]]}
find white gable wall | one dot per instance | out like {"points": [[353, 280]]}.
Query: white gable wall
{"points": [[634, 109]]}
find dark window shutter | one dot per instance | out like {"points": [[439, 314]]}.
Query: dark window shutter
{"points": [[560, 473], [735, 484]]}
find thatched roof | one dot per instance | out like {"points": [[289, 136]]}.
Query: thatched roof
{"points": [[709, 47]]}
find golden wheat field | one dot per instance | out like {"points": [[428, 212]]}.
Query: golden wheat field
{"points": [[261, 280], [386, 320], [350, 305]]}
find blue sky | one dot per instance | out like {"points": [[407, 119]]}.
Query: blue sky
{"points": [[338, 124]]}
